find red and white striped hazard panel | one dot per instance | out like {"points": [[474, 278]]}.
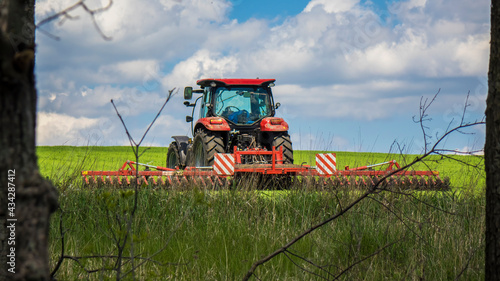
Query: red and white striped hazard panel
{"points": [[326, 164], [224, 164]]}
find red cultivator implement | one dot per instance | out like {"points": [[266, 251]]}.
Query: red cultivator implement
{"points": [[228, 171]]}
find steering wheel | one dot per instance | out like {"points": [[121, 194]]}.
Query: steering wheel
{"points": [[228, 110], [232, 106]]}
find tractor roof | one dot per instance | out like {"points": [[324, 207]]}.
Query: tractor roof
{"points": [[234, 81]]}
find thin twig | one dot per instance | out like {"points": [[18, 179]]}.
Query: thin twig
{"points": [[308, 261], [424, 106], [61, 258], [65, 14], [164, 246], [471, 255], [297, 265], [367, 257], [169, 96]]}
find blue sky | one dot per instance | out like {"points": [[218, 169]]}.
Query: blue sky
{"points": [[278, 10], [350, 74]]}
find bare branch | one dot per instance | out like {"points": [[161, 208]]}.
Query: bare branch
{"points": [[61, 258], [169, 96], [297, 265], [165, 245], [423, 117], [471, 255], [130, 139], [64, 14], [367, 257]]}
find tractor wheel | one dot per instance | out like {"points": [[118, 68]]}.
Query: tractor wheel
{"points": [[173, 156], [284, 140], [205, 145]]}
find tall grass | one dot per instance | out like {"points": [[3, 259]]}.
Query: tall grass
{"points": [[217, 235], [197, 234]]}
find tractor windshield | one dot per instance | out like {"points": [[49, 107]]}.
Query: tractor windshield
{"points": [[242, 105]]}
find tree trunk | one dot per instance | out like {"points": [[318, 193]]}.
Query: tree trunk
{"points": [[492, 151], [26, 199]]}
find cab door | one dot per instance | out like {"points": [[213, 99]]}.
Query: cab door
{"points": [[206, 106]]}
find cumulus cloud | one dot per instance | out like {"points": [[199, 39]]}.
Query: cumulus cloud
{"points": [[330, 6], [62, 129], [334, 59], [127, 71], [202, 64]]}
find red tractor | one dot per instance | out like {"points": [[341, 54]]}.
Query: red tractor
{"points": [[234, 113]]}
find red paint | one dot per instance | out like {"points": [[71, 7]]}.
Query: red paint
{"points": [[214, 123], [273, 124], [234, 81]]}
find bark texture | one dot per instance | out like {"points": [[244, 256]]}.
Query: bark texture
{"points": [[492, 151], [35, 198]]}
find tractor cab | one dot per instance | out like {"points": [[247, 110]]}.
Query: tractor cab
{"points": [[234, 114], [239, 101], [242, 105]]}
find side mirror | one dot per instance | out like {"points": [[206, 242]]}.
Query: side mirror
{"points": [[277, 105], [188, 93], [189, 118]]}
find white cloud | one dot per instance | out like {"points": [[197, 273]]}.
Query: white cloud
{"points": [[331, 6], [335, 59], [128, 71], [472, 55], [202, 64], [62, 129], [365, 101]]}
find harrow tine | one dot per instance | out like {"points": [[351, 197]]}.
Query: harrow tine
{"points": [[218, 182], [184, 181], [339, 182], [370, 182], [321, 184], [345, 181], [362, 182], [329, 183], [159, 180], [432, 182], [422, 182], [201, 182], [210, 181], [353, 183]]}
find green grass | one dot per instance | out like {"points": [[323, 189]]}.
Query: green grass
{"points": [[217, 235], [62, 162]]}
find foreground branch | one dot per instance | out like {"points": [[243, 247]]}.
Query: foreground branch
{"points": [[65, 14], [375, 188]]}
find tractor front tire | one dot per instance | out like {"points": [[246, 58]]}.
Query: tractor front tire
{"points": [[205, 145], [173, 156], [283, 140]]}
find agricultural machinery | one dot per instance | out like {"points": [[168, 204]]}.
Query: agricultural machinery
{"points": [[237, 136], [234, 114]]}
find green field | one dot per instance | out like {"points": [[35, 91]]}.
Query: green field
{"points": [[61, 163], [217, 235]]}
